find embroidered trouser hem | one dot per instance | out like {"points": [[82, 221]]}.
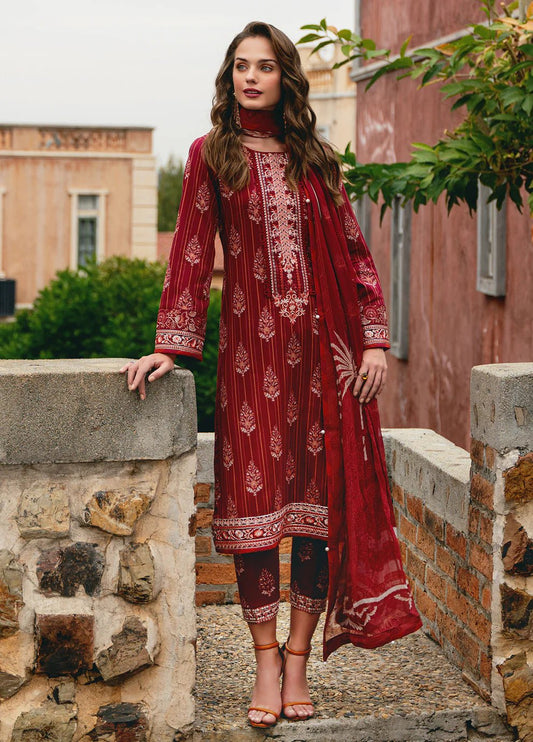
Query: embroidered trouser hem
{"points": [[258, 579]]}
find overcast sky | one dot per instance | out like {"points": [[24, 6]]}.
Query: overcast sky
{"points": [[128, 62]]}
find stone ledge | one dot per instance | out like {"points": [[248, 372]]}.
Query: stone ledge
{"points": [[421, 461], [502, 405], [81, 410]]}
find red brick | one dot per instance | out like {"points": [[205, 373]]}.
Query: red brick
{"points": [[192, 525], [204, 517], [425, 604], [473, 519], [480, 560], [408, 529], [468, 582], [445, 561], [467, 646], [426, 543], [211, 573], [435, 583], [485, 666], [459, 606], [455, 540], [434, 523], [486, 599], [398, 494], [202, 491], [477, 452], [479, 625], [285, 546], [415, 507], [482, 491], [203, 545], [415, 566], [490, 457], [403, 552], [485, 529], [210, 597], [397, 512], [446, 624]]}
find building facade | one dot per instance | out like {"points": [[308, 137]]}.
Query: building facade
{"points": [[69, 194], [457, 286]]}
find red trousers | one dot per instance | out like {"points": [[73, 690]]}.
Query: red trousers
{"points": [[258, 579]]}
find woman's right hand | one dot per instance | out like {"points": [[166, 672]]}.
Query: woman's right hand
{"points": [[137, 370]]}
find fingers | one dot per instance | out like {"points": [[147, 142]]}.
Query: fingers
{"points": [[369, 383]]}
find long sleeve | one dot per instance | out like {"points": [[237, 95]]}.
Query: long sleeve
{"points": [[182, 317], [370, 295]]}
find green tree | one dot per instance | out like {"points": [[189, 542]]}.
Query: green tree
{"points": [[108, 309], [488, 74], [170, 186]]}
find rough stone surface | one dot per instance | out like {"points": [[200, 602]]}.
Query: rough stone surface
{"points": [[517, 612], [116, 511], [518, 687], [517, 548], [519, 480], [10, 592], [49, 722], [497, 391], [35, 395], [128, 653], [16, 662], [136, 574], [121, 722], [64, 570], [44, 511], [65, 691], [64, 644], [420, 460]]}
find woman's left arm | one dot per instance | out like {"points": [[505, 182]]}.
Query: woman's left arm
{"points": [[373, 368]]}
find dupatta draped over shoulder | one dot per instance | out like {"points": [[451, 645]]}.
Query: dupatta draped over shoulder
{"points": [[369, 601]]}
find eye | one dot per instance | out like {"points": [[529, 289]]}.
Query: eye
{"points": [[240, 66], [267, 68]]}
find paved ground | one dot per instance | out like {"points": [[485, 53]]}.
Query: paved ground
{"points": [[403, 692]]}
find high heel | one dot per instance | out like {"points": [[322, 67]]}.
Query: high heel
{"points": [[262, 724], [286, 650]]}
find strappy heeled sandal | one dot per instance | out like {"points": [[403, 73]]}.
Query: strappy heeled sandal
{"points": [[285, 649], [262, 724]]}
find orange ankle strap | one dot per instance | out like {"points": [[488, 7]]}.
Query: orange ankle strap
{"points": [[295, 652], [266, 646]]}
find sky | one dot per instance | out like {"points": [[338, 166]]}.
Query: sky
{"points": [[132, 63]]}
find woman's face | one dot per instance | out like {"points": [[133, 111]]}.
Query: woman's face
{"points": [[256, 74]]}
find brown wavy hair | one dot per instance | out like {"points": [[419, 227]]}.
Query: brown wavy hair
{"points": [[222, 150]]}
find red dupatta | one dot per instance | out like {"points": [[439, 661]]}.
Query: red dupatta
{"points": [[369, 599]]}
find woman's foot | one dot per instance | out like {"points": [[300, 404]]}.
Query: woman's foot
{"points": [[265, 706], [296, 701]]}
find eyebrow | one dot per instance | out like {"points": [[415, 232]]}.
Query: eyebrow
{"points": [[243, 59]]}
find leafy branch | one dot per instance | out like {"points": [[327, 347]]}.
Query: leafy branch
{"points": [[487, 73]]}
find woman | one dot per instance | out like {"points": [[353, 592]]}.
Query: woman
{"points": [[302, 323]]}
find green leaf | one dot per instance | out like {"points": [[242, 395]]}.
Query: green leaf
{"points": [[345, 34], [310, 27], [527, 105], [308, 38], [368, 44], [404, 46], [322, 45], [323, 24]]}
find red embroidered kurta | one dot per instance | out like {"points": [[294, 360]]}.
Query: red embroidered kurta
{"points": [[270, 469]]}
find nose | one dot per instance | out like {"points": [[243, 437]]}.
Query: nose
{"points": [[250, 75]]}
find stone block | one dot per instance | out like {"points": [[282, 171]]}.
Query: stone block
{"points": [[501, 398], [517, 678], [117, 511], [49, 722], [16, 662], [130, 652], [65, 691], [65, 643], [121, 722], [81, 393], [517, 548], [64, 570], [43, 511], [519, 480], [10, 593], [136, 577], [517, 612]]}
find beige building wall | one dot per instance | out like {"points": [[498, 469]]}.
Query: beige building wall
{"points": [[332, 94], [45, 174]]}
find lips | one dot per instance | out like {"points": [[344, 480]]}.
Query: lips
{"points": [[251, 92]]}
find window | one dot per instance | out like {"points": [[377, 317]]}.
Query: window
{"points": [[363, 214], [87, 227], [491, 238], [400, 278]]}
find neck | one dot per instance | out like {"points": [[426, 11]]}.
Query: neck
{"points": [[260, 123]]}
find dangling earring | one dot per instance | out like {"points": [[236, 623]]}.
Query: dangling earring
{"points": [[236, 113]]}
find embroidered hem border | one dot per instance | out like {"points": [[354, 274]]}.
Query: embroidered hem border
{"points": [[309, 605], [257, 533], [261, 614]]}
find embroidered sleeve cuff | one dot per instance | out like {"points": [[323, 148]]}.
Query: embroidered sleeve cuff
{"points": [[184, 344]]}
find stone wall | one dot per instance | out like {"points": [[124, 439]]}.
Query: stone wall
{"points": [[97, 624]]}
